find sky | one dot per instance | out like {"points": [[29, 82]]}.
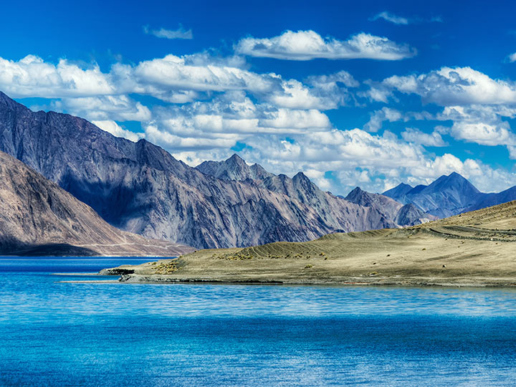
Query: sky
{"points": [[369, 93]]}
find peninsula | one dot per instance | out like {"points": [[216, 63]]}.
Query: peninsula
{"points": [[471, 249]]}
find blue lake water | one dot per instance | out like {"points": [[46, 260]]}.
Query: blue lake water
{"points": [[106, 334]]}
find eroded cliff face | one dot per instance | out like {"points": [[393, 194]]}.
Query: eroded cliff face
{"points": [[38, 216], [139, 187]]}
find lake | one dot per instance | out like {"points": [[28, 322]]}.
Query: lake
{"points": [[107, 334]]}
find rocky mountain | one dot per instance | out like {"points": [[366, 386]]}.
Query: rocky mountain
{"points": [[447, 196], [493, 199], [304, 190], [234, 168], [37, 217], [139, 187], [399, 191], [403, 215]]}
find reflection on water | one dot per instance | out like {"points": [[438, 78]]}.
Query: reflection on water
{"points": [[55, 333]]}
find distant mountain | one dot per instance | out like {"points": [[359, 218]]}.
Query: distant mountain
{"points": [[139, 187], [403, 215], [447, 196], [399, 191], [39, 218], [494, 199]]}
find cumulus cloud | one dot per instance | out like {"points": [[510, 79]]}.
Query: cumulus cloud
{"points": [[308, 45], [33, 77], [455, 86], [322, 92], [481, 124], [180, 33], [416, 136], [102, 108], [230, 118], [172, 79], [378, 117], [113, 128]]}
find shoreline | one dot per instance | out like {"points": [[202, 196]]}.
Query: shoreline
{"points": [[405, 282], [469, 250]]}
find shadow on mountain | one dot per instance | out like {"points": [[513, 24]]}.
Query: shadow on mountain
{"points": [[45, 250]]}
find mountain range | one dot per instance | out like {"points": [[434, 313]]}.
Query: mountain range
{"points": [[448, 195], [141, 188]]}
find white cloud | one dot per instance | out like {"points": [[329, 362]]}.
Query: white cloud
{"points": [[33, 77], [481, 124], [387, 16], [118, 108], [180, 33], [483, 134], [307, 45], [231, 117], [172, 79], [113, 128], [176, 73], [455, 86], [399, 20], [324, 92], [512, 58], [213, 103], [418, 137], [377, 119]]}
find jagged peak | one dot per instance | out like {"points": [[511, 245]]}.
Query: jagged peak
{"points": [[356, 193], [300, 176], [235, 159], [357, 190], [454, 179], [403, 185], [399, 191]]}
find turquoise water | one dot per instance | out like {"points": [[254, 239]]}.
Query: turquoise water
{"points": [[105, 334]]}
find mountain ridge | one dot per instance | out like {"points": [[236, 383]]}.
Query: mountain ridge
{"points": [[141, 188], [447, 196]]}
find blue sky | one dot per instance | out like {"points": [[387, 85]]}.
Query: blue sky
{"points": [[369, 94]]}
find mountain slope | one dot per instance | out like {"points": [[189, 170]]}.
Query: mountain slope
{"points": [[403, 215], [399, 191], [38, 217], [139, 187], [301, 188], [494, 199]]}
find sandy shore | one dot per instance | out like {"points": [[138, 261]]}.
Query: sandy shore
{"points": [[475, 249]]}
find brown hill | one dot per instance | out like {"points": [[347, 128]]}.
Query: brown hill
{"points": [[39, 218], [472, 249]]}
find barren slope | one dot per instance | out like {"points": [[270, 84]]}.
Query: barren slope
{"points": [[474, 249], [39, 218]]}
